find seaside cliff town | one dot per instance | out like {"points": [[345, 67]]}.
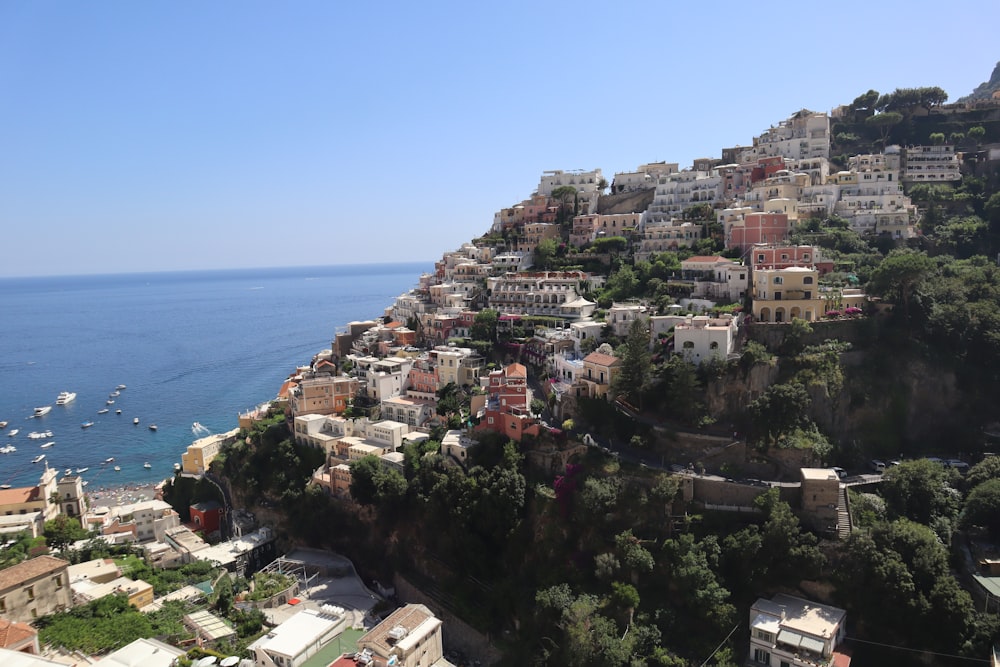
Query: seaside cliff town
{"points": [[734, 413]]}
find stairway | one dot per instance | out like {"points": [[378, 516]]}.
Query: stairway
{"points": [[843, 514]]}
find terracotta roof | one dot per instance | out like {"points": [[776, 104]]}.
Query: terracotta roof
{"points": [[516, 370], [13, 633], [703, 258], [601, 359], [30, 569], [17, 496]]}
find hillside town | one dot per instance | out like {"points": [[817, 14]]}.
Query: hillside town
{"points": [[517, 335]]}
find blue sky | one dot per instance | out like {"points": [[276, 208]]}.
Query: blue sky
{"points": [[141, 136]]}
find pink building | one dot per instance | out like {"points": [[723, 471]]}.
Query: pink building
{"points": [[754, 228], [508, 389], [785, 256]]}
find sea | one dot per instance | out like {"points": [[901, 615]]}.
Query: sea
{"points": [[193, 349]]}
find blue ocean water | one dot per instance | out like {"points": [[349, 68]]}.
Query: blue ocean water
{"points": [[198, 346]]}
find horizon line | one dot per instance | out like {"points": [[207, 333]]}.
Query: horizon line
{"points": [[211, 270]]}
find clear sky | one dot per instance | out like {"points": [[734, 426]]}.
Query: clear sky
{"points": [[142, 136]]}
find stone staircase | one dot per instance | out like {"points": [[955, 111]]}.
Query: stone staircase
{"points": [[843, 514]]}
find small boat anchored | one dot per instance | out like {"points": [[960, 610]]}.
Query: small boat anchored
{"points": [[119, 387], [152, 427], [118, 468], [42, 411], [114, 394], [14, 432], [147, 465], [86, 424], [103, 411], [118, 411], [136, 421], [81, 470], [110, 459], [3, 424], [38, 459], [48, 444], [110, 401]]}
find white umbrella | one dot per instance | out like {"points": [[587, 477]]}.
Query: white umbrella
{"points": [[230, 661]]}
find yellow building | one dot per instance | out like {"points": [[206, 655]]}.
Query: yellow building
{"points": [[782, 294], [201, 452]]}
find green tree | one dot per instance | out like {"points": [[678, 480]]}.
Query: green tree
{"points": [[364, 488], [982, 508], [919, 490], [976, 133], [63, 531], [898, 275], [633, 375], [987, 469], [544, 253], [903, 566], [484, 326], [884, 122], [936, 138], [780, 409], [864, 104]]}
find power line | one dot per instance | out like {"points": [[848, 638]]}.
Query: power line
{"points": [[913, 650], [720, 645]]}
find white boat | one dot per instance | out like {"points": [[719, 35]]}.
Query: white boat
{"points": [[118, 468], [103, 411], [65, 397], [8, 449], [14, 432], [110, 401], [42, 411], [119, 387], [109, 460], [81, 470], [4, 486], [86, 424], [152, 427], [3, 424], [136, 421], [40, 435], [118, 411], [38, 459], [114, 394], [177, 467], [68, 472], [146, 465], [48, 444]]}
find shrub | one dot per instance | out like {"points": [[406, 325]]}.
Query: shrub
{"points": [[833, 313]]}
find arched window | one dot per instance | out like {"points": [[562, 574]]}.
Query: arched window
{"points": [[688, 345], [714, 345]]}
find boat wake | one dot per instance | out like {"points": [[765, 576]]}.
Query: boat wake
{"points": [[198, 429]]}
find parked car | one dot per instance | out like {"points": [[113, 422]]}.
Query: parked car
{"points": [[878, 466]]}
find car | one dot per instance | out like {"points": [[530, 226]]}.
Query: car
{"points": [[878, 466], [841, 473]]}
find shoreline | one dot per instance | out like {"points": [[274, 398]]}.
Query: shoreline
{"points": [[124, 494]]}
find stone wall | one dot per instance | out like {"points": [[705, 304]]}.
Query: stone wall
{"points": [[456, 634]]}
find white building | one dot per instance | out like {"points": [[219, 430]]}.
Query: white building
{"points": [[145, 652], [930, 164], [791, 631], [701, 337], [583, 181], [299, 638], [408, 637]]}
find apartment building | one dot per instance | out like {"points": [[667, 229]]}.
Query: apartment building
{"points": [[408, 637], [930, 164], [34, 588], [199, 454], [779, 295], [793, 632], [701, 338]]}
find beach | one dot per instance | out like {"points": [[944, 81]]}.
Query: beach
{"points": [[114, 496]]}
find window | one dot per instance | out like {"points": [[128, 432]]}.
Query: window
{"points": [[777, 280], [807, 280], [57, 580], [714, 345], [30, 591], [3, 604], [688, 345], [761, 656]]}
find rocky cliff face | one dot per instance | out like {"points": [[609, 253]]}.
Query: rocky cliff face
{"points": [[887, 407], [986, 89]]}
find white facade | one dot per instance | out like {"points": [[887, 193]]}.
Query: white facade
{"points": [[583, 181], [930, 164], [787, 630], [701, 338], [299, 638]]}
